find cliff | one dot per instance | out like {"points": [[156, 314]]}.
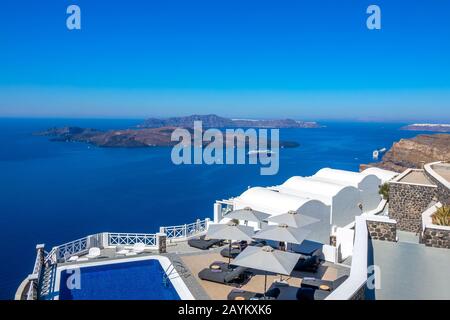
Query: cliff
{"points": [[412, 153]]}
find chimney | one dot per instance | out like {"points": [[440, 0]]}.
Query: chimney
{"points": [[422, 165]]}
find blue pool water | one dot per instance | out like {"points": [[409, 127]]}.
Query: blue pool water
{"points": [[138, 280], [54, 192]]}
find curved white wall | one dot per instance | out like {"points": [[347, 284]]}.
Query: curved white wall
{"points": [[345, 206]]}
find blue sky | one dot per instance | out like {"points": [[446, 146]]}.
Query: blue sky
{"points": [[243, 58]]}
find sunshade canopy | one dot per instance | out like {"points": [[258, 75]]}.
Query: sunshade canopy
{"points": [[230, 231], [293, 219], [267, 259], [282, 233], [248, 214]]}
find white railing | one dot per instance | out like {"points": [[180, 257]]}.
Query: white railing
{"points": [[33, 279], [72, 248], [129, 239], [185, 231], [50, 257]]}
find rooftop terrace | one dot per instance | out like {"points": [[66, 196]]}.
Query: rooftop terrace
{"points": [[190, 261], [409, 270], [415, 177], [443, 169]]}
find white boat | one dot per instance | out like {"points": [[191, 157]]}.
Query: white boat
{"points": [[255, 152]]}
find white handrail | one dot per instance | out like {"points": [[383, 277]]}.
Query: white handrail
{"points": [[127, 239], [185, 230], [73, 247]]}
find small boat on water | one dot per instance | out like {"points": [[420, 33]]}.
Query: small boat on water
{"points": [[376, 154], [256, 152]]}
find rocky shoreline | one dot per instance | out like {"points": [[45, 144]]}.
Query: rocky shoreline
{"points": [[129, 138], [413, 153]]}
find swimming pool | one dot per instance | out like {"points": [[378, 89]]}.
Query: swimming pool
{"points": [[142, 278]]}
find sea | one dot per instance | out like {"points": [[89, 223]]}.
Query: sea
{"points": [[55, 192]]}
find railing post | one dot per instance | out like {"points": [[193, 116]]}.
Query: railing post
{"points": [[217, 212], [161, 239], [185, 230], [197, 226], [56, 253], [161, 229]]}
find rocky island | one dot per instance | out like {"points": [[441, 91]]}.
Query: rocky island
{"points": [[131, 138], [215, 121], [412, 153], [157, 132]]}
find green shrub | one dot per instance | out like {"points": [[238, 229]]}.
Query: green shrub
{"points": [[442, 216], [384, 191]]}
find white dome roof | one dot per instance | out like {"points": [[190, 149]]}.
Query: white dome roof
{"points": [[270, 201], [343, 177], [383, 175], [311, 186]]}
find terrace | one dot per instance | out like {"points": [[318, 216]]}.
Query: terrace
{"points": [[189, 261], [195, 261], [414, 177], [409, 270], [442, 169]]}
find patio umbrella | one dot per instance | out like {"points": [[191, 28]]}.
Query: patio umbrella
{"points": [[293, 219], [248, 214], [267, 259], [283, 233], [230, 231]]}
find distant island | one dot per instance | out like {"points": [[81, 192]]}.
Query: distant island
{"points": [[157, 132], [427, 127], [412, 153], [215, 121]]}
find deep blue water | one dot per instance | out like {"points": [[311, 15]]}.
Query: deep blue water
{"points": [[140, 280], [54, 192]]}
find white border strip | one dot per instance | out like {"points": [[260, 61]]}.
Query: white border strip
{"points": [[179, 285], [358, 270]]}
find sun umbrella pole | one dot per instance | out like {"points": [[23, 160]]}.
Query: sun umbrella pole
{"points": [[229, 254], [265, 284]]}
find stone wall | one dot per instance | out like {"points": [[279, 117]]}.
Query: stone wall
{"points": [[381, 230], [360, 294], [442, 192], [435, 237], [407, 202]]}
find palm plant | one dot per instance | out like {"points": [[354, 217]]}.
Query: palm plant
{"points": [[442, 216]]}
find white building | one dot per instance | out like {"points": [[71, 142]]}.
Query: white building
{"points": [[383, 175], [367, 184], [344, 201], [275, 203]]}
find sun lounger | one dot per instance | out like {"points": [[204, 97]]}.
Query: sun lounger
{"points": [[237, 294], [93, 253], [316, 283], [223, 274], [73, 259], [138, 247], [203, 244], [227, 253], [121, 251], [309, 294], [309, 264]]}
